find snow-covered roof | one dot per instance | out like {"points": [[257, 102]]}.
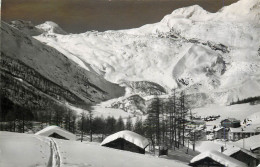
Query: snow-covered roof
{"points": [[130, 136], [220, 158], [251, 143], [255, 147], [209, 128], [231, 120], [55, 129], [234, 150], [242, 130], [217, 129]]}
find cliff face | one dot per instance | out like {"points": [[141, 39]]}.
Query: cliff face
{"points": [[36, 75]]}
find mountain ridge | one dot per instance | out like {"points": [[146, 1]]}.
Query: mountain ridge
{"points": [[34, 67]]}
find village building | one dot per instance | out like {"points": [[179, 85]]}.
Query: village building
{"points": [[251, 144], [197, 122], [209, 130], [256, 150], [215, 159], [243, 155], [126, 140], [230, 123], [241, 133], [56, 132], [220, 133]]}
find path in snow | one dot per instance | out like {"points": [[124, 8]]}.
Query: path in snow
{"points": [[55, 158]]}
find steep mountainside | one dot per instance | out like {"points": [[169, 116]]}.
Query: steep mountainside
{"points": [[214, 57], [36, 75]]}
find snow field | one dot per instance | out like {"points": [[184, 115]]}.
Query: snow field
{"points": [[30, 150]]}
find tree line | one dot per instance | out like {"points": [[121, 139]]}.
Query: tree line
{"points": [[164, 125]]}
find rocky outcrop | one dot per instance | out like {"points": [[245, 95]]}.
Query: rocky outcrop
{"points": [[145, 88], [133, 104], [26, 27]]}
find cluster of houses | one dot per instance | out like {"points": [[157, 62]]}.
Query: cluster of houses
{"points": [[232, 130], [237, 155]]}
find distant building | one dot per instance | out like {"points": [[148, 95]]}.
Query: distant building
{"points": [[241, 133], [126, 140], [230, 123], [56, 132], [215, 159], [243, 155], [219, 133], [196, 123]]}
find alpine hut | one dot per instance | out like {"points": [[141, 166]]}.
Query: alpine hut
{"points": [[56, 132], [126, 140], [243, 155], [215, 159]]}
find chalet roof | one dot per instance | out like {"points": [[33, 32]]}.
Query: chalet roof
{"points": [[232, 151], [218, 157], [55, 129], [242, 130], [251, 143], [217, 129], [255, 147], [130, 136], [231, 120]]}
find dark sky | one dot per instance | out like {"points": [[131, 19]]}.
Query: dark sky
{"points": [[81, 15]]}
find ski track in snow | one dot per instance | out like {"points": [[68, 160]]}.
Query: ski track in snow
{"points": [[55, 158]]}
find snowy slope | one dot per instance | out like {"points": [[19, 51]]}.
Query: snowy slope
{"points": [[239, 111], [48, 152], [213, 54], [18, 150], [47, 74], [254, 118]]}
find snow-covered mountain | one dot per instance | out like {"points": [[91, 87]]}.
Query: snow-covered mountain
{"points": [[51, 27], [213, 56], [37, 76]]}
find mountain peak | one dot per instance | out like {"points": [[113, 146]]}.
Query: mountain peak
{"points": [[189, 12], [51, 27], [242, 10]]}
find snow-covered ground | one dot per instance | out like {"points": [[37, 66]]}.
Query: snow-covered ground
{"points": [[239, 111], [254, 118], [26, 150], [202, 146], [106, 112]]}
